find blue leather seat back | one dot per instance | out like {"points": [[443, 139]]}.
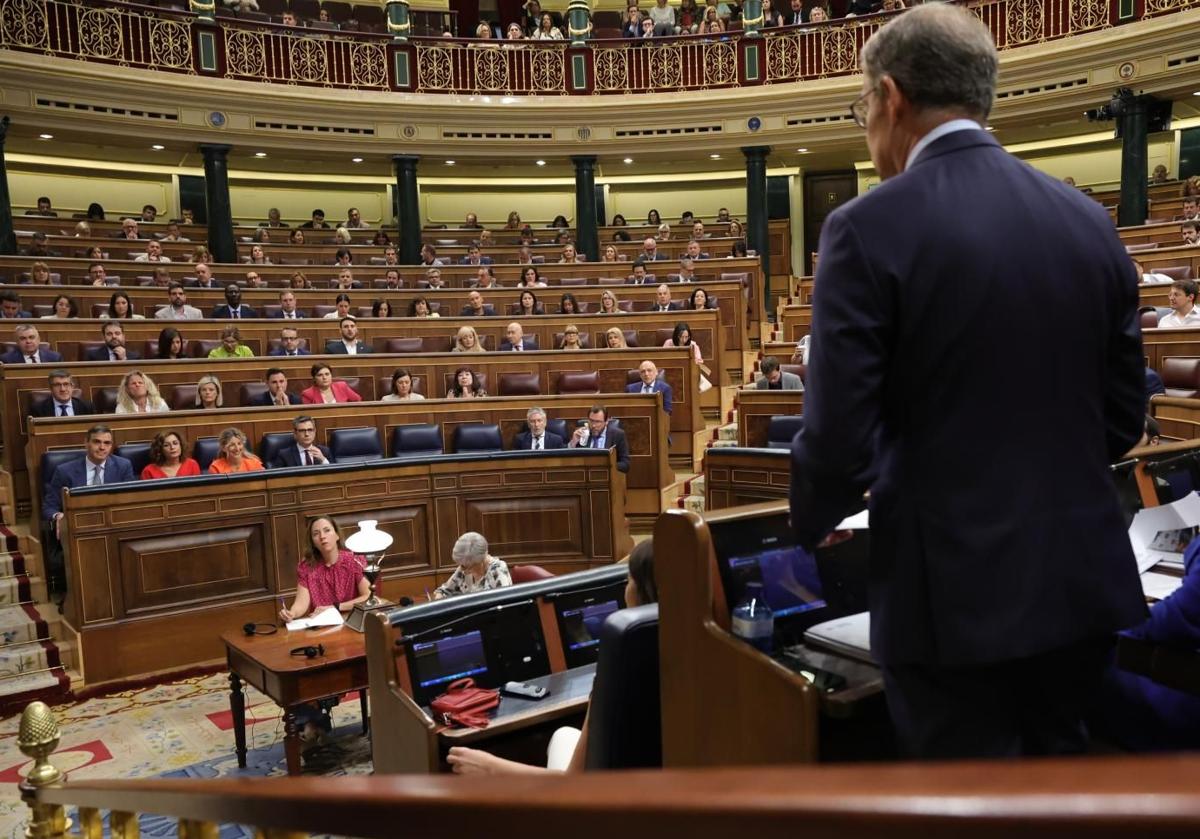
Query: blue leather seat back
{"points": [[782, 429], [624, 718], [477, 438], [416, 439], [206, 450], [51, 460], [355, 445], [137, 454], [559, 427], [272, 443]]}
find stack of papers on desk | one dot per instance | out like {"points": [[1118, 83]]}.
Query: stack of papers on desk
{"points": [[1160, 586], [1159, 534], [849, 636], [325, 617]]}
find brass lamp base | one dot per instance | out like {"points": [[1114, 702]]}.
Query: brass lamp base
{"points": [[357, 619]]}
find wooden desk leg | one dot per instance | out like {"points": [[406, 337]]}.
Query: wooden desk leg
{"points": [[362, 704], [237, 705], [291, 741]]}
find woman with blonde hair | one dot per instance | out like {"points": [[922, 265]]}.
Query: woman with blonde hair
{"points": [[139, 395], [200, 253], [609, 304], [233, 456], [467, 340], [570, 339], [664, 232], [342, 236], [231, 345], [614, 338], [209, 393]]}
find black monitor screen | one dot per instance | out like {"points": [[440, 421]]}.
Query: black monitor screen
{"points": [[581, 627], [789, 576], [580, 615], [439, 662]]}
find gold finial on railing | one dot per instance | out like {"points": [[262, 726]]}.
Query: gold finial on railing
{"points": [[38, 738]]}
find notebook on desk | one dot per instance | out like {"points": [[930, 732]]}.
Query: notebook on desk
{"points": [[849, 636]]}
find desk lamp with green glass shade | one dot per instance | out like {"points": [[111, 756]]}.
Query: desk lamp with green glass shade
{"points": [[371, 544]]}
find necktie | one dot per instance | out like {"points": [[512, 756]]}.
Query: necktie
{"points": [[97, 475], [307, 459], [645, 388], [537, 444], [595, 442], [32, 359], [516, 347], [233, 313], [62, 410]]}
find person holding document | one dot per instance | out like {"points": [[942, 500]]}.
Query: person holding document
{"points": [[1000, 566], [328, 576]]}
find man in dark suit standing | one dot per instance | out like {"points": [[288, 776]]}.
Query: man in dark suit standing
{"points": [[232, 307], [62, 402], [114, 345], [598, 434], [29, 350], [1000, 566], [97, 467], [306, 451], [277, 392], [651, 383], [289, 343], [537, 438]]}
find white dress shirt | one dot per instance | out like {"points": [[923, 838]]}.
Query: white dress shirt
{"points": [[1192, 318]]}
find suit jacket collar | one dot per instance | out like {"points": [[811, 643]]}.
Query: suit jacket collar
{"points": [[955, 141]]}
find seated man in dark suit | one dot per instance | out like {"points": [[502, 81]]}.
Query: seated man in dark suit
{"points": [[775, 379], [515, 340], [98, 466], [129, 229], [29, 349], [651, 383], [289, 343], [232, 307], [663, 301], [598, 434], [640, 276], [10, 306], [114, 344], [537, 438], [204, 277], [43, 209], [306, 452], [277, 392], [39, 247], [317, 222], [476, 307], [62, 402], [287, 306], [474, 257], [693, 250], [349, 344]]}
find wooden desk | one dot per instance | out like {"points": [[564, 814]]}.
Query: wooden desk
{"points": [[756, 407], [736, 476], [267, 663], [568, 693]]}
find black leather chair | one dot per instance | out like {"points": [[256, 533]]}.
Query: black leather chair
{"points": [[54, 458], [1181, 376], [183, 397], [624, 718], [137, 454], [519, 384], [105, 399], [477, 438], [418, 439], [206, 450], [782, 430], [559, 427], [579, 381], [272, 443], [355, 445]]}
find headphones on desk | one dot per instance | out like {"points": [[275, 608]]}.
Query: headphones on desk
{"points": [[253, 629], [310, 651]]}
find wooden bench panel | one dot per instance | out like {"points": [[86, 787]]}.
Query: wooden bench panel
{"points": [[756, 407]]}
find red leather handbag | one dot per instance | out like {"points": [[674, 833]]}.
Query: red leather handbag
{"points": [[465, 704]]}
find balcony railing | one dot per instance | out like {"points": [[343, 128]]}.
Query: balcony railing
{"points": [[164, 40]]}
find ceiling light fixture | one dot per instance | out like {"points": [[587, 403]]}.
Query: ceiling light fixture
{"points": [[540, 162], [629, 160], [449, 162], [158, 147], [260, 154], [714, 157], [46, 136], [802, 151], [356, 160]]}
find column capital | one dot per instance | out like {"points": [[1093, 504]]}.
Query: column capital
{"points": [[584, 160], [406, 159], [756, 151], [215, 149]]}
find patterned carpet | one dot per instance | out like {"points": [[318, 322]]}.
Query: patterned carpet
{"points": [[180, 729]]}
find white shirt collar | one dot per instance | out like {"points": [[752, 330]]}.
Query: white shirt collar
{"points": [[937, 133]]}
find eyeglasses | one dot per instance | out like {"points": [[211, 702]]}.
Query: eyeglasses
{"points": [[858, 109]]}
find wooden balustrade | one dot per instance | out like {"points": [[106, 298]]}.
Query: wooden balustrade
{"points": [[157, 569], [644, 421]]}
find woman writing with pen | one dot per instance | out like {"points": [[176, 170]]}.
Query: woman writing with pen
{"points": [[328, 575]]}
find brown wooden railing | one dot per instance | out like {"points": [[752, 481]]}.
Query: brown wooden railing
{"points": [[165, 40]]}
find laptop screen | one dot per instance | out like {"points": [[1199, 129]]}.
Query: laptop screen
{"points": [[581, 614], [439, 662]]}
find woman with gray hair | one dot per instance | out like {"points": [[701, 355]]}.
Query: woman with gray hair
{"points": [[477, 569]]}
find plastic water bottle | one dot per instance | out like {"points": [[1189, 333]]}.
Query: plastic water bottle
{"points": [[752, 619]]}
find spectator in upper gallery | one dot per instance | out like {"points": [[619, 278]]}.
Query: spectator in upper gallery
{"points": [[689, 18], [43, 208], [471, 222], [341, 236], [129, 229], [325, 390], [723, 215], [354, 220], [698, 230], [483, 31], [231, 345], [154, 253], [39, 246], [1182, 300], [28, 349], [476, 307], [514, 32], [546, 30], [139, 395], [693, 250], [775, 378], [817, 14], [348, 343], [177, 308], [771, 16], [647, 28], [532, 16], [651, 383], [233, 455], [273, 219], [277, 392], [232, 307], [95, 212], [173, 233], [429, 255], [342, 301], [10, 306], [62, 401], [631, 26], [1190, 230], [474, 257], [650, 250], [149, 213], [663, 16], [306, 451], [317, 222], [114, 348], [1159, 175], [187, 217], [289, 343], [713, 23], [467, 340]]}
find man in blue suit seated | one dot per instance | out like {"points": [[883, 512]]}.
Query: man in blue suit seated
{"points": [[537, 438], [306, 451], [10, 306], [651, 383], [277, 392], [29, 349], [289, 343], [99, 466], [1000, 564], [598, 434], [1139, 713], [515, 340], [232, 307], [287, 306], [473, 257]]}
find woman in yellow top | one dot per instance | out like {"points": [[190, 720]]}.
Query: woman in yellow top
{"points": [[231, 345], [234, 457]]}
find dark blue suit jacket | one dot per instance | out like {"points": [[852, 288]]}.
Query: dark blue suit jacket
{"points": [[73, 473], [222, 311], [290, 456], [279, 351], [929, 382], [524, 440], [659, 386], [18, 357], [265, 398], [300, 313]]}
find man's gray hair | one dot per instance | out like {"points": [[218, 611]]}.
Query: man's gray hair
{"points": [[470, 548], [940, 56], [534, 410]]}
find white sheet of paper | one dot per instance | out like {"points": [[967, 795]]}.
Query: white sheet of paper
{"points": [[858, 521], [1160, 586], [325, 617], [1149, 522]]}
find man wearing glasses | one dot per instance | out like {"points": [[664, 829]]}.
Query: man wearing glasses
{"points": [[1000, 563], [289, 343]]}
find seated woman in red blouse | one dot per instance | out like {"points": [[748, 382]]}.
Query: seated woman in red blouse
{"points": [[328, 575], [166, 458], [325, 390]]}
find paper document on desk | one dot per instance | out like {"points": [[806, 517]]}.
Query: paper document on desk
{"points": [[1159, 534], [849, 636], [1160, 586], [325, 617], [858, 521]]}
